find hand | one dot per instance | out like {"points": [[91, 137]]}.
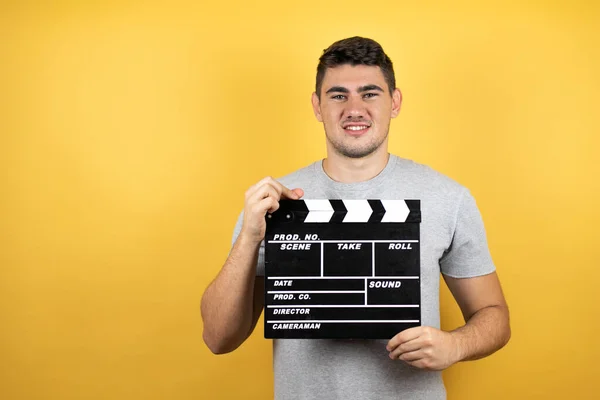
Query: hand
{"points": [[261, 198], [425, 347]]}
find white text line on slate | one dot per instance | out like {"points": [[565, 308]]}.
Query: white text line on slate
{"points": [[348, 306], [343, 277], [361, 321], [343, 241], [315, 291]]}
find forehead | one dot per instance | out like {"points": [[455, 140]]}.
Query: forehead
{"points": [[353, 77]]}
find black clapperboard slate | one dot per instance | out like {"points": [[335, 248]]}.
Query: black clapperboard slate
{"points": [[342, 269]]}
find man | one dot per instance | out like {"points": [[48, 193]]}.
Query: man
{"points": [[355, 99]]}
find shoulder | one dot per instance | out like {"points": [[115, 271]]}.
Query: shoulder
{"points": [[427, 178], [300, 177]]}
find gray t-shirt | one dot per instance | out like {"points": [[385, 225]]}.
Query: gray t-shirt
{"points": [[453, 242]]}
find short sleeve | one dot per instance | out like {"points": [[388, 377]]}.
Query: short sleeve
{"points": [[260, 266], [468, 255]]}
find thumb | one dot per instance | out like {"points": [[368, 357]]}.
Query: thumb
{"points": [[299, 192]]}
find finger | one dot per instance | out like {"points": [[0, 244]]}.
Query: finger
{"points": [[290, 194], [258, 184], [403, 337], [267, 205], [262, 193], [256, 187], [410, 346], [410, 356], [285, 192], [299, 192]]}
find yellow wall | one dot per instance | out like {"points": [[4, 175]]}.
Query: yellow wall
{"points": [[129, 132]]}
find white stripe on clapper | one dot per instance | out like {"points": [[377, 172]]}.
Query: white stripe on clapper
{"points": [[319, 210], [358, 210], [395, 211]]}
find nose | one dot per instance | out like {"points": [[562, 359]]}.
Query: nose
{"points": [[355, 108]]}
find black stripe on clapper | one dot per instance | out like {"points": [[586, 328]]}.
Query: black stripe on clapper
{"points": [[339, 211], [296, 209], [415, 210], [378, 211]]}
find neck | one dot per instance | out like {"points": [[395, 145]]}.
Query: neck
{"points": [[350, 170]]}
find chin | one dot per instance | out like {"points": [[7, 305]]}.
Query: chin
{"points": [[357, 152]]}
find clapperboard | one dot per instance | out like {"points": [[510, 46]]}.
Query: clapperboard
{"points": [[342, 269]]}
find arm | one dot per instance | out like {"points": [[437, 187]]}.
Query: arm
{"points": [[479, 297], [485, 311], [233, 302], [487, 328]]}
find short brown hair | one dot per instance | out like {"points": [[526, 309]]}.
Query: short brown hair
{"points": [[355, 51]]}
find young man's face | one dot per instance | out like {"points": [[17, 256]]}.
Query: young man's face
{"points": [[356, 108]]}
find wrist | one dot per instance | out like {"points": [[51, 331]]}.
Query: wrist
{"points": [[459, 345], [246, 239]]}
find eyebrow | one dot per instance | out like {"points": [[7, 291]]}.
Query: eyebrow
{"points": [[341, 89]]}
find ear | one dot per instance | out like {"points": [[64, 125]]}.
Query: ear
{"points": [[316, 104], [396, 102]]}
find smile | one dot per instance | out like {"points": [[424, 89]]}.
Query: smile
{"points": [[356, 130]]}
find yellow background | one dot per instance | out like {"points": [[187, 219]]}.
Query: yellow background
{"points": [[129, 132]]}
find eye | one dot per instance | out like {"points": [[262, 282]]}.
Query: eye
{"points": [[370, 95], [338, 97]]}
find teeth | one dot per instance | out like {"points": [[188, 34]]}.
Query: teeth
{"points": [[357, 128]]}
